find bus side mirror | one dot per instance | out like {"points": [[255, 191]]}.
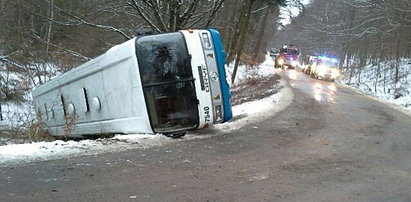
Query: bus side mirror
{"points": [[144, 32]]}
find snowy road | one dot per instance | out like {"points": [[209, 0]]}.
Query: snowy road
{"points": [[330, 144]]}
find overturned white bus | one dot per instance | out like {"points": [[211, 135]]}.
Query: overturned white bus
{"points": [[166, 83]]}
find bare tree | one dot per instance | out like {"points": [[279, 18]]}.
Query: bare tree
{"points": [[169, 16], [243, 32], [243, 26], [360, 33]]}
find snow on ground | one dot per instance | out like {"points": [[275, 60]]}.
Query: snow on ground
{"points": [[16, 115], [252, 111], [244, 113], [397, 94]]}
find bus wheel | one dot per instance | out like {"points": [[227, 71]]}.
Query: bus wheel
{"points": [[175, 135]]}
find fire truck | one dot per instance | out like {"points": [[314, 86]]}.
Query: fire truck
{"points": [[287, 58]]}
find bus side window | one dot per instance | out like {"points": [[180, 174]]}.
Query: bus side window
{"points": [[86, 99], [46, 111], [63, 103]]}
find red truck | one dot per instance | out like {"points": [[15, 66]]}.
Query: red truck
{"points": [[287, 58]]}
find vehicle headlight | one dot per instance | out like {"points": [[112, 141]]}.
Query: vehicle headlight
{"points": [[322, 70], [218, 113], [280, 61], [335, 73]]}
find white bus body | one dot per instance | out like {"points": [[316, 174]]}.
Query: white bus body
{"points": [[106, 94]]}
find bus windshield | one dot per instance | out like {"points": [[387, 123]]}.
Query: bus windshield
{"points": [[290, 51], [168, 83]]}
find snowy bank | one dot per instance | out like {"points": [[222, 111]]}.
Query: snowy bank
{"points": [[378, 82], [244, 113]]}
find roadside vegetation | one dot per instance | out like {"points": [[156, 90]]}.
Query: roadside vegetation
{"points": [[40, 39], [43, 38], [371, 39]]}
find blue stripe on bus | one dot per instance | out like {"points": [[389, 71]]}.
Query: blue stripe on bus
{"points": [[225, 88]]}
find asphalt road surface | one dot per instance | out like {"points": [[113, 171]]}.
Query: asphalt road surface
{"points": [[330, 144]]}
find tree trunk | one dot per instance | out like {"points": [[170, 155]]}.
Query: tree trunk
{"points": [[49, 28], [237, 35], [397, 56], [376, 76], [350, 68], [385, 79], [262, 32], [241, 38], [1, 114]]}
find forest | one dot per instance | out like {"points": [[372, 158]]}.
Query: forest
{"points": [[357, 32], [40, 39], [38, 35]]}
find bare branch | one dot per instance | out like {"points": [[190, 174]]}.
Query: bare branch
{"points": [[77, 20], [64, 50]]}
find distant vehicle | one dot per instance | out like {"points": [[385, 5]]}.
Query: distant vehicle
{"points": [[287, 58], [274, 52], [308, 63], [166, 83], [325, 68]]}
